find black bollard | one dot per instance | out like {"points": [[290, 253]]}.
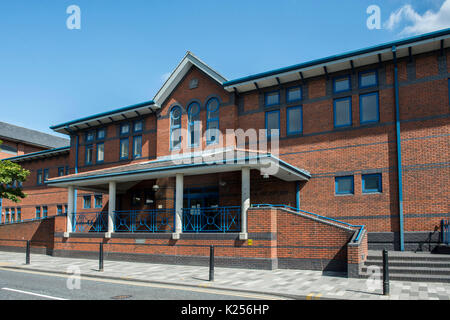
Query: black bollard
{"points": [[27, 253], [100, 258], [385, 273], [211, 263]]}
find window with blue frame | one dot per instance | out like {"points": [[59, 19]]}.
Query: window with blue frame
{"points": [[212, 121], [137, 146], [175, 128], [138, 126], [342, 112], [194, 124], [124, 148], [101, 134], [44, 212], [293, 94], [39, 177], [19, 214], [342, 84], [344, 185], [86, 202], [89, 136], [294, 120], [272, 98], [100, 152], [98, 201], [38, 212], [59, 209], [67, 170], [89, 154], [45, 175], [273, 123], [13, 214], [60, 171], [369, 108], [124, 129], [7, 215], [371, 183], [368, 79]]}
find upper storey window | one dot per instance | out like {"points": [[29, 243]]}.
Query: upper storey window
{"points": [[124, 128], [194, 124], [341, 84], [294, 94], [175, 128], [368, 79], [138, 126], [89, 136], [212, 121], [272, 98], [101, 133]]}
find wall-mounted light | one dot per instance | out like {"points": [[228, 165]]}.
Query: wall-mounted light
{"points": [[222, 183], [155, 187], [265, 176]]}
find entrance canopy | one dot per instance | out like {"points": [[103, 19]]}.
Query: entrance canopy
{"points": [[187, 164]]}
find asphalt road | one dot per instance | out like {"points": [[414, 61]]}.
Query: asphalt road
{"points": [[31, 285]]}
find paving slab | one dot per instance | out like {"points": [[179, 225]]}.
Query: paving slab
{"points": [[285, 283]]}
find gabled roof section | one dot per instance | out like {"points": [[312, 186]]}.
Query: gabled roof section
{"points": [[31, 137], [180, 71]]}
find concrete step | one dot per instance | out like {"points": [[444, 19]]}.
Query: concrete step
{"points": [[409, 263], [409, 256], [424, 271], [415, 277]]}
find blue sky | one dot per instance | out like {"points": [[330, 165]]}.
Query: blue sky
{"points": [[124, 49]]}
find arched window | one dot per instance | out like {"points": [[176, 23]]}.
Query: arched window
{"points": [[194, 124], [175, 128], [212, 121]]}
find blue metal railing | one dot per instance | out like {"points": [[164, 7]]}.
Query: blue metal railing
{"points": [[157, 220], [90, 221], [213, 219], [361, 227], [445, 227]]}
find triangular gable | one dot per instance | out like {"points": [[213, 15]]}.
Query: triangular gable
{"points": [[180, 71]]}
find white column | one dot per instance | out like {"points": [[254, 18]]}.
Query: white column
{"points": [[179, 205], [70, 210], [245, 203], [111, 207]]}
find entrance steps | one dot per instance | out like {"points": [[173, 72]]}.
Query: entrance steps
{"points": [[410, 266]]}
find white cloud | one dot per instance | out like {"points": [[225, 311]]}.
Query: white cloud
{"points": [[416, 23]]}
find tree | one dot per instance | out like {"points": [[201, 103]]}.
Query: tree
{"points": [[11, 177]]}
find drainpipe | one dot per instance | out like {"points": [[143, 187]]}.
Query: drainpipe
{"points": [[297, 195], [77, 144], [399, 151]]}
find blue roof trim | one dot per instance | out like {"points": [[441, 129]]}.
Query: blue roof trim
{"points": [[37, 153], [104, 114], [177, 167], [387, 45]]}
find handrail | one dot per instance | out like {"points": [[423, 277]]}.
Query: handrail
{"points": [[361, 227]]}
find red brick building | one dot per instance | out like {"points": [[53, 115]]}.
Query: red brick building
{"points": [[359, 159]]}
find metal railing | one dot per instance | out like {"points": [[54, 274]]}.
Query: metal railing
{"points": [[213, 219], [96, 221], [360, 227], [157, 220], [445, 234]]}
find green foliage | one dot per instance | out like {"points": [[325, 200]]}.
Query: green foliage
{"points": [[11, 174]]}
